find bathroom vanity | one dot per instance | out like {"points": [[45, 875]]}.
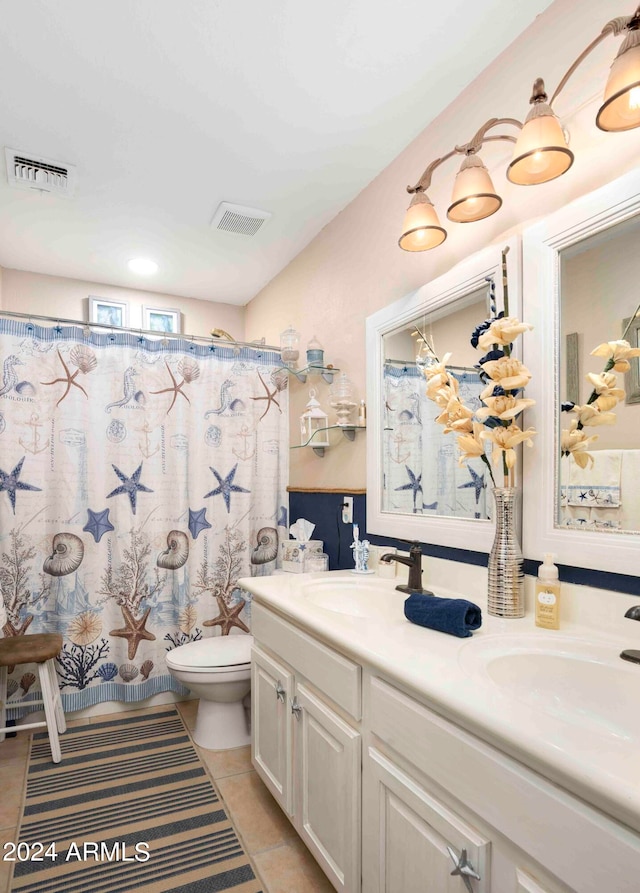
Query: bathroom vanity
{"points": [[402, 755]]}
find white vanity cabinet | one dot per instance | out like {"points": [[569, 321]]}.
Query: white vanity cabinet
{"points": [[306, 742], [381, 786], [429, 785], [407, 834]]}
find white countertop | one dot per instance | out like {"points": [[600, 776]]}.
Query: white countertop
{"points": [[595, 757]]}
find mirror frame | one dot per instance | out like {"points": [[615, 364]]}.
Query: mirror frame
{"points": [[475, 535], [542, 244]]}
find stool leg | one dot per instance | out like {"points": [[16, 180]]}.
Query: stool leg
{"points": [[3, 699], [55, 688], [49, 710]]}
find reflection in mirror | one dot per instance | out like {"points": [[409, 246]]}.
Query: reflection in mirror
{"points": [[421, 473], [599, 298]]}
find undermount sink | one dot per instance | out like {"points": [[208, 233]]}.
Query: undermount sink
{"points": [[357, 597], [583, 683]]}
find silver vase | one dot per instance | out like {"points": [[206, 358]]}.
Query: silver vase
{"points": [[506, 576]]}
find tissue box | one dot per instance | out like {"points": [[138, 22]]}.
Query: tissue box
{"points": [[292, 554]]}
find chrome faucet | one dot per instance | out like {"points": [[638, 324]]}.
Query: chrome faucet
{"points": [[414, 563], [632, 654]]}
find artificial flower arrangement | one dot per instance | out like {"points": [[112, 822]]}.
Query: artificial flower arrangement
{"points": [[574, 441], [493, 428]]}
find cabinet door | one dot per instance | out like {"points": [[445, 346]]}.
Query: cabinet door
{"points": [[271, 693], [407, 834], [327, 771]]}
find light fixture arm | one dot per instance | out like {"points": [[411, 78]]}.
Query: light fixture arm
{"points": [[615, 27], [470, 148]]}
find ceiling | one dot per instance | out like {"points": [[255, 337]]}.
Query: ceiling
{"points": [[167, 108]]}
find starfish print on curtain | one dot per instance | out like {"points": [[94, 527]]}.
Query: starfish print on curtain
{"points": [[228, 616], [226, 487], [198, 522], [415, 485], [476, 483], [98, 524], [270, 396], [85, 361], [10, 483], [189, 371], [134, 630], [130, 486]]}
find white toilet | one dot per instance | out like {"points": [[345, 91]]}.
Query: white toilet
{"points": [[218, 670]]}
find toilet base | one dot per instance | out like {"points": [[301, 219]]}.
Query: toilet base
{"points": [[221, 726]]}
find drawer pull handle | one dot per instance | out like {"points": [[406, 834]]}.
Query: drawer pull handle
{"points": [[464, 868], [280, 692], [296, 708]]}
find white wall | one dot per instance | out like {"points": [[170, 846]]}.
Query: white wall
{"points": [[354, 266], [23, 292]]}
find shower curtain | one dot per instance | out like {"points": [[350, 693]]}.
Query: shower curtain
{"points": [[421, 470], [139, 479]]}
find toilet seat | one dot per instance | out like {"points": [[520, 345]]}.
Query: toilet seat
{"points": [[219, 654]]}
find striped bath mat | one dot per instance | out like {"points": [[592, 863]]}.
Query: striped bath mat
{"points": [[130, 807]]}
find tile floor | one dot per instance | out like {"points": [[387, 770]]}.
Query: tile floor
{"points": [[281, 859]]}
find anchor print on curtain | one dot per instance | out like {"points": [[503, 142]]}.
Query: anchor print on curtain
{"points": [[139, 479]]}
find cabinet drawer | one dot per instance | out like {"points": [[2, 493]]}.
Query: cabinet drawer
{"points": [[596, 854], [336, 676]]}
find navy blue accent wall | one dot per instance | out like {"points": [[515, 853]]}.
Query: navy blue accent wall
{"points": [[324, 510]]}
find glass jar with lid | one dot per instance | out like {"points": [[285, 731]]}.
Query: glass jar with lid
{"points": [[315, 353], [290, 347]]}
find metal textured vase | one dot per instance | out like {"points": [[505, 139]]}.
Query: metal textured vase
{"points": [[506, 577]]}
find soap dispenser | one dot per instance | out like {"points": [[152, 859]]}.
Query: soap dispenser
{"points": [[548, 594]]}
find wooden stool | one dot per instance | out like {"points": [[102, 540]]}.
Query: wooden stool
{"points": [[41, 649]]}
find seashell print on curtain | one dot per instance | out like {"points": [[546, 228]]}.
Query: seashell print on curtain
{"points": [[138, 481]]}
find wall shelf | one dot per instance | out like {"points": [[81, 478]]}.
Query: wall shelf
{"points": [[327, 372], [348, 431]]}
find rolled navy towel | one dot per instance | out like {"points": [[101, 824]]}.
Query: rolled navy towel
{"points": [[455, 616]]}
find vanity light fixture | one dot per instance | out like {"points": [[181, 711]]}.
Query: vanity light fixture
{"points": [[143, 266], [541, 152]]}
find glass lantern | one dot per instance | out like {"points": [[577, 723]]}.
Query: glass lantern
{"points": [[341, 398], [313, 423], [290, 347], [315, 353]]}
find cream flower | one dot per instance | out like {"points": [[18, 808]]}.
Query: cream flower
{"points": [[618, 351], [504, 441], [455, 416], [502, 331], [604, 386], [590, 415], [575, 442], [442, 388], [437, 369], [471, 445], [505, 407], [508, 372]]}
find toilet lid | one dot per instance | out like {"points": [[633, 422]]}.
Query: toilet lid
{"points": [[220, 651]]}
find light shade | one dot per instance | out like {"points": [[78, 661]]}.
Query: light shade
{"points": [[541, 152], [621, 107], [421, 228], [474, 195]]}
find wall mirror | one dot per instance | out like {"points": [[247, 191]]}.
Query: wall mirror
{"points": [[416, 489], [580, 291]]}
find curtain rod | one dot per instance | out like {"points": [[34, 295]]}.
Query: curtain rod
{"points": [[138, 331], [410, 364]]}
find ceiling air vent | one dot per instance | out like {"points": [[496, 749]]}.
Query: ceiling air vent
{"points": [[29, 171], [238, 219]]}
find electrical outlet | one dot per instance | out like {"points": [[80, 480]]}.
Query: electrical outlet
{"points": [[347, 510]]}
